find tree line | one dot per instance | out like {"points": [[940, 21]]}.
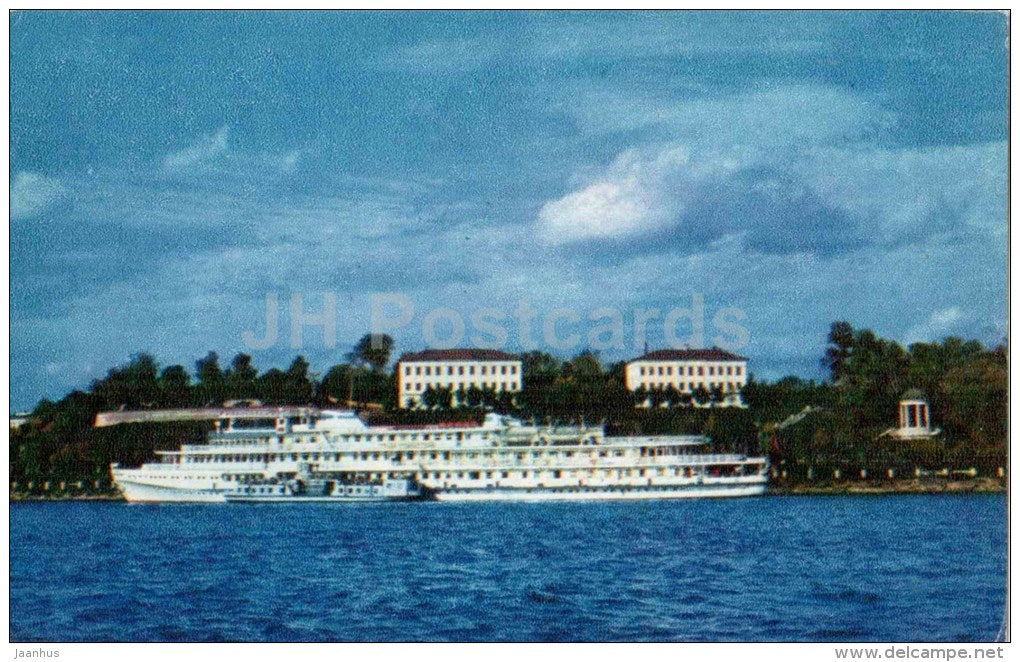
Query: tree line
{"points": [[966, 384]]}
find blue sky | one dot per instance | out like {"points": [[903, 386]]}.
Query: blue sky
{"points": [[169, 170]]}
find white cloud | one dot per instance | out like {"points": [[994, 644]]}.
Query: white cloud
{"points": [[642, 191], [939, 324], [31, 194], [205, 148]]}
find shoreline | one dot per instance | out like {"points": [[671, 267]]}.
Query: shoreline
{"points": [[860, 487], [906, 486]]}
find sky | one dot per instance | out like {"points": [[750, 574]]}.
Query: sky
{"points": [[169, 172]]}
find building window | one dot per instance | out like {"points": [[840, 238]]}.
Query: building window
{"points": [[428, 370], [701, 371], [471, 370], [669, 370], [642, 371], [407, 370], [460, 370]]}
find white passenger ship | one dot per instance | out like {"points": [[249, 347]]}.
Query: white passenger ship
{"points": [[309, 455]]}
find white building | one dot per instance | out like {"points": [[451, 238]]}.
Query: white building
{"points": [[687, 370], [455, 369], [19, 419]]}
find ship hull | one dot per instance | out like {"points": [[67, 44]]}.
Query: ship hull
{"points": [[607, 493], [141, 492]]}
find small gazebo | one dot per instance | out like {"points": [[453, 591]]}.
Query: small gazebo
{"points": [[915, 417]]}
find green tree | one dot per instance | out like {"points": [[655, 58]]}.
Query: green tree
{"points": [[839, 349], [672, 396], [373, 349], [174, 387], [337, 385], [241, 378], [210, 389], [716, 395], [473, 396]]}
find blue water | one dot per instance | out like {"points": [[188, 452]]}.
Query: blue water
{"points": [[914, 568]]}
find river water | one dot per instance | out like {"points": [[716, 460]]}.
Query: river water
{"points": [[811, 568]]}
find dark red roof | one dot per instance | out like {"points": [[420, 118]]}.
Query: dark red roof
{"points": [[713, 354], [457, 355]]}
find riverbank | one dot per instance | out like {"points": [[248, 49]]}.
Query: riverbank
{"points": [[21, 496], [911, 486], [908, 486]]}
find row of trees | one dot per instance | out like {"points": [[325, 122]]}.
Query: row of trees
{"points": [[141, 384], [444, 399]]}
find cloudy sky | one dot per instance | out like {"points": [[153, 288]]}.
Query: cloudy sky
{"points": [[169, 171]]}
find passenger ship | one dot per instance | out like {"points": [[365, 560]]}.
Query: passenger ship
{"points": [[297, 454]]}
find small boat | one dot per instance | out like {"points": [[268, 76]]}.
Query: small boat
{"points": [[325, 489]]}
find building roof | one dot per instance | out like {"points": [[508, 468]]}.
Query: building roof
{"points": [[457, 355], [713, 354], [913, 394]]}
